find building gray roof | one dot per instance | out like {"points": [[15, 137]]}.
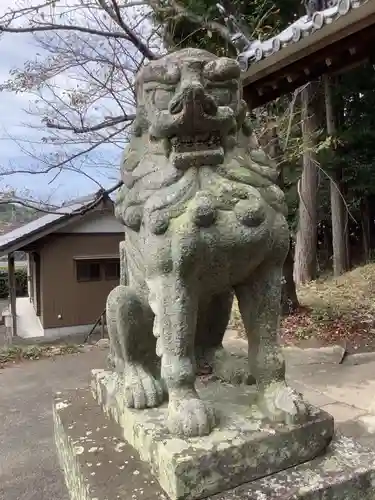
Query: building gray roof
{"points": [[32, 231], [302, 28]]}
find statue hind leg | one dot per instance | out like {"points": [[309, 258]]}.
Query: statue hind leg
{"points": [[130, 323], [213, 319], [259, 300]]}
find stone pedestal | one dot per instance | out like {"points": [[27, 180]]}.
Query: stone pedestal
{"points": [[239, 450], [99, 465]]}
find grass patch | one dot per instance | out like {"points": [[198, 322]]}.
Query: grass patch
{"points": [[333, 310], [16, 353]]}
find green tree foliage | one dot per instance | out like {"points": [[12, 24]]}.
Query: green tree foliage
{"points": [[353, 149], [355, 101], [198, 23], [21, 283]]}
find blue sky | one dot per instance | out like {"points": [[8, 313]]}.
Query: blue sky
{"points": [[15, 49]]}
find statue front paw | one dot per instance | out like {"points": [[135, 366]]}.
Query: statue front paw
{"points": [[189, 416], [141, 389], [280, 403]]}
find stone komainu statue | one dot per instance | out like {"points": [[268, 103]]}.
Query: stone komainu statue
{"points": [[203, 219]]}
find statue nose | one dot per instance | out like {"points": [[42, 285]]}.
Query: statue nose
{"points": [[193, 98]]}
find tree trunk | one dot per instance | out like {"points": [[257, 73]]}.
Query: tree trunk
{"points": [[306, 241], [348, 256], [371, 213], [365, 223], [289, 299], [339, 238], [339, 218]]}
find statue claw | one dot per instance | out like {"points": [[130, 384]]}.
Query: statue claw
{"points": [[280, 403], [141, 389], [190, 417]]}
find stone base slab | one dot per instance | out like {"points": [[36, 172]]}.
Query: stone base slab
{"points": [[241, 449], [99, 465]]}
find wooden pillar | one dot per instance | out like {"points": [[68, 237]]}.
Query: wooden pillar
{"points": [[37, 296], [29, 276], [12, 292]]}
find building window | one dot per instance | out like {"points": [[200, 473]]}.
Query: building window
{"points": [[112, 269], [88, 270], [97, 269]]}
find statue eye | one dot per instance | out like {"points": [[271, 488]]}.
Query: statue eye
{"points": [[222, 95], [161, 98]]}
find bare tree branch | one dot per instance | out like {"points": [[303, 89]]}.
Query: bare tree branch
{"points": [[80, 83], [101, 195], [80, 86], [110, 122], [64, 27], [115, 15], [62, 163]]}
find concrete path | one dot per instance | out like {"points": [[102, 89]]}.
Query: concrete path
{"points": [[346, 392], [28, 465]]}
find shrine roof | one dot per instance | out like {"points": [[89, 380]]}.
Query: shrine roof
{"points": [[339, 29]]}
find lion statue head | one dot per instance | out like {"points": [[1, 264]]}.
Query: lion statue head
{"points": [[191, 139]]}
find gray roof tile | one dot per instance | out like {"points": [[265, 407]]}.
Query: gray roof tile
{"points": [[301, 28]]}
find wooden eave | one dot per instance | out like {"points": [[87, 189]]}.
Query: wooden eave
{"points": [[336, 47]]}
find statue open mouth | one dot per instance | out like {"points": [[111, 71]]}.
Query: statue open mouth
{"points": [[198, 150], [198, 142]]}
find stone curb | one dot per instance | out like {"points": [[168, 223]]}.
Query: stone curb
{"points": [[295, 356], [359, 358], [312, 356]]}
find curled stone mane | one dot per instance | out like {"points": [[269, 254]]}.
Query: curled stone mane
{"points": [[153, 186], [154, 191]]}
